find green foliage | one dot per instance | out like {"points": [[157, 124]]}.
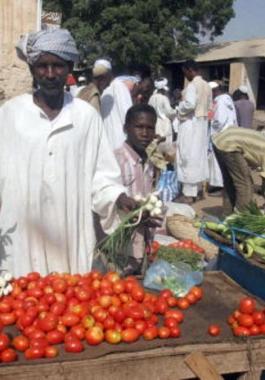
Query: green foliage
{"points": [[141, 31]]}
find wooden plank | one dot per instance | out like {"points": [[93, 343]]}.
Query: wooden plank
{"points": [[202, 367]]}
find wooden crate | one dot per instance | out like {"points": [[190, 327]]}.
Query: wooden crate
{"points": [[161, 359]]}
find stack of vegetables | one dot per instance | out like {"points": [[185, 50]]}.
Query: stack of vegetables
{"points": [[245, 229]]}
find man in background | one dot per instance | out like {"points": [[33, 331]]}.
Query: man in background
{"points": [[192, 143], [244, 107]]}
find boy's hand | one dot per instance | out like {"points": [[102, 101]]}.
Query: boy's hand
{"points": [[126, 203]]}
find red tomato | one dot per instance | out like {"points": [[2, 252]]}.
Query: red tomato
{"points": [[192, 299], [130, 335], [21, 343], [119, 316], [197, 291], [177, 314], [137, 293], [5, 307], [214, 330], [82, 294], [88, 322], [134, 312], [155, 245], [59, 285], [166, 293], [170, 322], [38, 343], [79, 331], [183, 303], [34, 353], [8, 319], [254, 330], [231, 320], [119, 287], [8, 355], [163, 332], [140, 326], [161, 306], [55, 337], [247, 305], [51, 352], [241, 331], [175, 332], [33, 276], [113, 277], [94, 335], [57, 308], [70, 319], [74, 345], [113, 336], [4, 341], [262, 329], [172, 301], [258, 318], [245, 320], [100, 315], [48, 323], [150, 333], [128, 322]]}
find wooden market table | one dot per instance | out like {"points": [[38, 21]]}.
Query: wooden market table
{"points": [[161, 359]]}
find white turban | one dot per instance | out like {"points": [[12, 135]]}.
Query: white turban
{"points": [[54, 41], [213, 85], [243, 89], [161, 84], [101, 67]]}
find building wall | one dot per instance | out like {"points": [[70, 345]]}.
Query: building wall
{"points": [[17, 17]]}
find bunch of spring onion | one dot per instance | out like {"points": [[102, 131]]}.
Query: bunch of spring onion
{"points": [[5, 286], [114, 246]]}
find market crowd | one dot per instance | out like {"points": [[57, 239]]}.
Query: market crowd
{"points": [[76, 152]]}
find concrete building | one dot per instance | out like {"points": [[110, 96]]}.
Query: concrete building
{"points": [[17, 17], [237, 63]]}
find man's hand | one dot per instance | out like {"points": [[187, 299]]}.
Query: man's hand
{"points": [[153, 221], [126, 203]]}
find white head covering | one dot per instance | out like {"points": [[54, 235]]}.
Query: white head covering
{"points": [[243, 89], [101, 67], [54, 41], [213, 85], [161, 84]]}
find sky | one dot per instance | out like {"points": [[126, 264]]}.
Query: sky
{"points": [[249, 21]]}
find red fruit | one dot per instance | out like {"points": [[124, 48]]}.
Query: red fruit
{"points": [[247, 305], [183, 303], [166, 293], [55, 337], [94, 335], [70, 319], [241, 331], [21, 343], [150, 333], [8, 319], [4, 341], [140, 326], [214, 330], [8, 355], [175, 332], [130, 335], [137, 293], [34, 353], [177, 314], [163, 332], [113, 336], [254, 330], [78, 331], [197, 291], [245, 320], [170, 322], [38, 343], [258, 318], [51, 352]]}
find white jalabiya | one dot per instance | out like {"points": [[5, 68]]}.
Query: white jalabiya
{"points": [[164, 113], [115, 102], [53, 174], [224, 115], [192, 143]]}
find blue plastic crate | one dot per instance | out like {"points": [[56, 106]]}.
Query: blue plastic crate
{"points": [[248, 275]]}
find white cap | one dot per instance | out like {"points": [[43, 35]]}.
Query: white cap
{"points": [[213, 85], [161, 84], [243, 89], [101, 66]]}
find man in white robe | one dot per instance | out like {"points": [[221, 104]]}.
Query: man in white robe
{"points": [[223, 116], [115, 102], [192, 143], [55, 168]]}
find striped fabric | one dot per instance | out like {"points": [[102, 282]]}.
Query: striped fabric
{"points": [[246, 141]]}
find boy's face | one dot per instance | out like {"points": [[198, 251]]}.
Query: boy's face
{"points": [[141, 130]]}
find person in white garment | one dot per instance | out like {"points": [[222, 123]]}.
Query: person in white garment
{"points": [[165, 113], [223, 117], [56, 167], [192, 142], [116, 99]]}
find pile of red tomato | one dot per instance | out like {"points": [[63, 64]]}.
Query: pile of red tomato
{"points": [[183, 244], [247, 319], [85, 309]]}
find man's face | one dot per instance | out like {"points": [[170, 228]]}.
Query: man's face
{"points": [[188, 74], [50, 72], [103, 81], [141, 131]]}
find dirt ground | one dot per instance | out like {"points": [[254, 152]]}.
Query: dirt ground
{"points": [[212, 205]]}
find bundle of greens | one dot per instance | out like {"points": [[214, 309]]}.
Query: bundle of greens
{"points": [[183, 255], [114, 247]]}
